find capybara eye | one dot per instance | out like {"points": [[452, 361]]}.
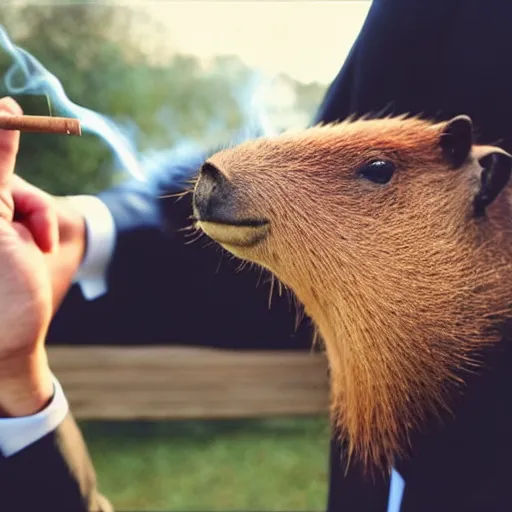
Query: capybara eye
{"points": [[378, 171]]}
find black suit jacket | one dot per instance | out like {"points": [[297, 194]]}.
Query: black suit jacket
{"points": [[440, 58], [55, 473]]}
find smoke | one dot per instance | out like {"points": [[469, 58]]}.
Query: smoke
{"points": [[28, 76], [253, 102]]}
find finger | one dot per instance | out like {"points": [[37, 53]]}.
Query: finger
{"points": [[9, 140], [36, 210]]}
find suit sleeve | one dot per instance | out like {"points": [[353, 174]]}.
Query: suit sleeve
{"points": [[396, 64], [54, 473]]}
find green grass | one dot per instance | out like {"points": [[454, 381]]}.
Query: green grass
{"points": [[273, 465]]}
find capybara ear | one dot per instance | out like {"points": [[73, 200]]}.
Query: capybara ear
{"points": [[457, 139], [496, 166]]}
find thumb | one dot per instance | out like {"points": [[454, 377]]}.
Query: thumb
{"points": [[9, 142]]}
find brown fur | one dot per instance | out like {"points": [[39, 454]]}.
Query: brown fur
{"points": [[404, 284]]}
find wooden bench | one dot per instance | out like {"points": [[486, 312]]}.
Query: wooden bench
{"points": [[122, 383]]}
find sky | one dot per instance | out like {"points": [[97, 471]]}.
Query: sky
{"points": [[309, 40]]}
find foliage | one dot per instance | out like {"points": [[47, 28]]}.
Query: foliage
{"points": [[95, 51]]}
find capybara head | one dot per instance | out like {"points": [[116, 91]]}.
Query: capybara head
{"points": [[395, 234]]}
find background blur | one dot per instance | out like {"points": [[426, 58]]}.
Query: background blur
{"points": [[169, 72]]}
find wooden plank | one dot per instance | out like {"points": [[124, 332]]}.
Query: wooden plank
{"points": [[189, 383]]}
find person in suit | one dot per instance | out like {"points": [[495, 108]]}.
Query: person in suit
{"points": [[437, 58]]}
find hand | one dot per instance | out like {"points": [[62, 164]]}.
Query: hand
{"points": [[25, 285], [65, 260]]}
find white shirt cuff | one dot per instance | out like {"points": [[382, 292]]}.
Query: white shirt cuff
{"points": [[18, 433], [101, 239]]}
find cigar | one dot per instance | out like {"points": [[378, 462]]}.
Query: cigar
{"points": [[41, 124]]}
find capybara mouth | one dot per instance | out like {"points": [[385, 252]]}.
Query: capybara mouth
{"points": [[218, 215], [236, 233]]}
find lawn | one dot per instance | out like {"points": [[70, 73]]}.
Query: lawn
{"points": [[266, 465]]}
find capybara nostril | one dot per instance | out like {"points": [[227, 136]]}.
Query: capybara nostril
{"points": [[211, 172], [212, 195]]}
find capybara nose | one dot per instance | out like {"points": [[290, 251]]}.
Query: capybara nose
{"points": [[212, 195]]}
